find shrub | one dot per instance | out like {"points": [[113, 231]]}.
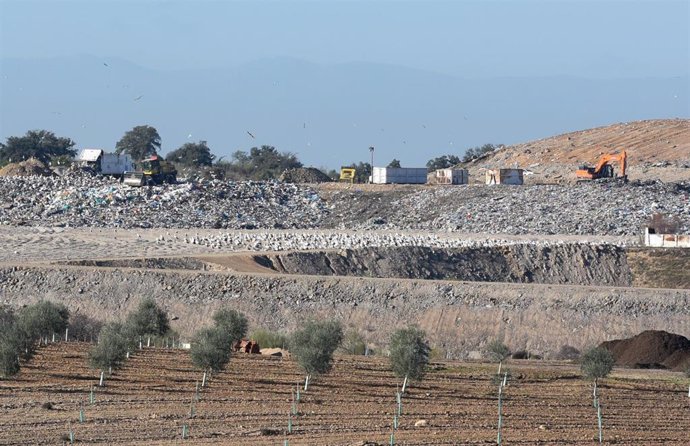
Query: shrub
{"points": [[112, 346], [9, 353], [596, 363], [269, 339], [568, 352], [148, 319], [353, 343], [409, 353], [313, 346], [520, 354], [84, 328], [498, 351], [232, 322], [210, 349]]}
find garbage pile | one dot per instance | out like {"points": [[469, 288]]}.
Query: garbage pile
{"points": [[304, 175], [603, 209], [89, 201], [28, 168]]}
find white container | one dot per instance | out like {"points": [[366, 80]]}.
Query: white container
{"points": [[399, 175], [105, 163], [504, 176], [451, 176]]}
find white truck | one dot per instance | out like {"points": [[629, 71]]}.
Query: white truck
{"points": [[105, 163]]}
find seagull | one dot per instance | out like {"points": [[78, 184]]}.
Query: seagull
{"points": [[189, 136], [138, 97], [106, 64], [250, 134]]}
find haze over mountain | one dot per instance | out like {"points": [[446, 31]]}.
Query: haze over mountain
{"points": [[328, 114]]}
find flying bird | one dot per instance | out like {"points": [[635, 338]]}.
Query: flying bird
{"points": [[106, 64], [250, 134], [138, 97]]}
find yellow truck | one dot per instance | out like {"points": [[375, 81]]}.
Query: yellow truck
{"points": [[152, 170]]}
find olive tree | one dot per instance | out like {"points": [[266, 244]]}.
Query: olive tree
{"points": [[409, 353], [595, 364], [233, 323], [210, 349], [313, 346], [40, 320], [10, 345], [111, 349], [148, 319]]}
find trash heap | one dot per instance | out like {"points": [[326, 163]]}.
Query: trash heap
{"points": [[304, 175], [30, 167], [81, 200]]}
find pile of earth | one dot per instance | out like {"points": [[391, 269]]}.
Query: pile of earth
{"points": [[651, 349], [30, 167], [304, 175]]}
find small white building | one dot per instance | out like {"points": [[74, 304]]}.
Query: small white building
{"points": [[652, 239], [504, 176], [451, 176], [399, 175]]}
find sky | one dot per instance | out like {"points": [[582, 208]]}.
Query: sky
{"points": [[464, 39]]}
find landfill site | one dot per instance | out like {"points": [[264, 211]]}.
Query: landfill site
{"points": [[542, 265], [548, 263]]}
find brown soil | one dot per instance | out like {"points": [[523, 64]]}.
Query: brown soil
{"points": [[149, 400], [651, 349], [30, 167], [657, 149]]}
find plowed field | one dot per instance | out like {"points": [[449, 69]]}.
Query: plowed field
{"points": [[149, 400]]}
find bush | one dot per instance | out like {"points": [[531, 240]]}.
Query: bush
{"points": [[409, 353], [210, 349], [597, 363], [269, 339], [568, 352], [313, 346], [112, 347], [148, 320], [232, 322], [353, 343], [498, 351], [9, 352], [84, 328]]}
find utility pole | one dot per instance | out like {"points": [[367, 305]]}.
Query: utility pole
{"points": [[371, 150]]}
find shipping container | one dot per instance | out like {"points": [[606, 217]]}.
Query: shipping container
{"points": [[399, 175]]}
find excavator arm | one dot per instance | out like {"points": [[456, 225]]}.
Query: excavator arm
{"points": [[603, 168]]}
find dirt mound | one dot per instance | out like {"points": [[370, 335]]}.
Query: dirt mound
{"points": [[657, 149], [651, 349], [30, 167], [304, 175]]}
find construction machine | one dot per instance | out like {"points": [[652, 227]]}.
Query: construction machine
{"points": [[152, 170], [604, 168]]}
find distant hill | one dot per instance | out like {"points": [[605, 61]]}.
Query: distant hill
{"points": [[657, 149]]}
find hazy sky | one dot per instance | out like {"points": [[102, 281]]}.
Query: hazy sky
{"points": [[465, 38], [327, 79]]}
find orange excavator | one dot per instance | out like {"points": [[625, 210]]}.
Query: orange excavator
{"points": [[604, 168]]}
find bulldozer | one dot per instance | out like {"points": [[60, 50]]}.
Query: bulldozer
{"points": [[152, 171], [604, 168]]}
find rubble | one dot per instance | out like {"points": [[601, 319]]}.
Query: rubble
{"points": [[304, 175], [30, 167]]}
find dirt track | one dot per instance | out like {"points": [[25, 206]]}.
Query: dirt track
{"points": [[148, 401]]}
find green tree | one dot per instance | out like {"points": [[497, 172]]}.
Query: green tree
{"points": [[210, 349], [43, 319], [261, 163], [394, 164], [112, 346], [409, 353], [353, 343], [148, 319], [362, 171], [233, 323], [10, 344], [313, 345], [40, 144], [442, 162], [596, 363], [140, 142], [192, 154], [477, 152]]}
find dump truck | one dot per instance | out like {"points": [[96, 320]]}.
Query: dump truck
{"points": [[604, 168], [152, 171], [104, 163]]}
